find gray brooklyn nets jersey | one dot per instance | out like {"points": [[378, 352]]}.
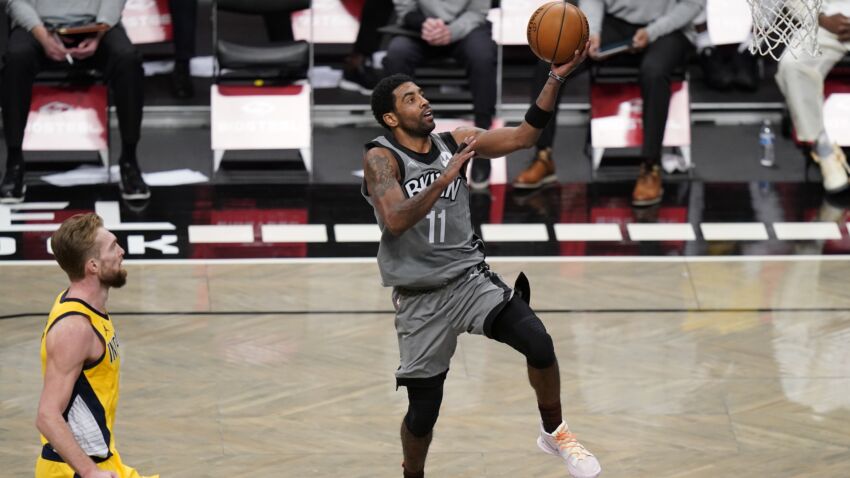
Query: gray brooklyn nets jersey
{"points": [[442, 245]]}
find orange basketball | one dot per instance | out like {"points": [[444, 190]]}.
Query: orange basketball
{"points": [[556, 30]]}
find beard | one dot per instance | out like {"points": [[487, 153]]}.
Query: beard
{"points": [[116, 279], [419, 129]]}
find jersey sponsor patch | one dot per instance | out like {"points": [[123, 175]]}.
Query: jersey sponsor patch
{"points": [[445, 157]]}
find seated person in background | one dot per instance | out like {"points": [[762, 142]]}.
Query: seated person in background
{"points": [[357, 74], [541, 170], [662, 36], [456, 29], [184, 15], [801, 78], [725, 66], [32, 47]]}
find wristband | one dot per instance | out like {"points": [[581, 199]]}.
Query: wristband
{"points": [[537, 117], [559, 79]]}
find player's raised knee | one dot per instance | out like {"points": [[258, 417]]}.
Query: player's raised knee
{"points": [[542, 351]]}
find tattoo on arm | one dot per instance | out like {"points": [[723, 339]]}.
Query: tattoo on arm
{"points": [[379, 174], [402, 213]]}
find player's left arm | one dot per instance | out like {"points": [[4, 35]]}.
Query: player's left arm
{"points": [[501, 141]]}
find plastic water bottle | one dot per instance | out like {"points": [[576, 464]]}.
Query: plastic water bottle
{"points": [[766, 140]]}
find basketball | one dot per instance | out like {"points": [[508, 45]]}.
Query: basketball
{"points": [[556, 30]]}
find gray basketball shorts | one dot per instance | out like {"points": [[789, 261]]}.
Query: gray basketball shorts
{"points": [[428, 323]]}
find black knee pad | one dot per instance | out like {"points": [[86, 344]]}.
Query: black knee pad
{"points": [[518, 326], [423, 408], [542, 353]]}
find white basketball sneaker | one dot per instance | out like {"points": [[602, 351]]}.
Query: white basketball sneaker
{"points": [[834, 170], [580, 462]]}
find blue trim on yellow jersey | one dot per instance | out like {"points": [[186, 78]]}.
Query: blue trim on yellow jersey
{"points": [[65, 298], [48, 453]]}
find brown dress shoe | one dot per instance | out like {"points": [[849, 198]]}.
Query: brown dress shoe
{"points": [[648, 190], [541, 171]]}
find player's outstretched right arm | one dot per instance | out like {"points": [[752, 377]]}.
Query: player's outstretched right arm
{"points": [[502, 141], [382, 181], [70, 344]]}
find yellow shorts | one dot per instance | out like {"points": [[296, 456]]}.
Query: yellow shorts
{"points": [[54, 469]]}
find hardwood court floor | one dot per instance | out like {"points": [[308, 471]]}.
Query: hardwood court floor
{"points": [[670, 369]]}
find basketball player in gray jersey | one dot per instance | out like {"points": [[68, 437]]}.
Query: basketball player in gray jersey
{"points": [[435, 264]]}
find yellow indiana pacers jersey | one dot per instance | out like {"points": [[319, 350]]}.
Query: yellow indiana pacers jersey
{"points": [[91, 409]]}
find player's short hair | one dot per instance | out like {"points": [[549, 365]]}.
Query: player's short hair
{"points": [[383, 100], [74, 243]]}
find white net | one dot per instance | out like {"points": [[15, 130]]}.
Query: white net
{"points": [[792, 23]]}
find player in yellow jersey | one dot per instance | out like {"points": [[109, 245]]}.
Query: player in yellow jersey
{"points": [[80, 358]]}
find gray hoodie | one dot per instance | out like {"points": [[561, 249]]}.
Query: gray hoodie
{"points": [[660, 16], [29, 14], [461, 16]]}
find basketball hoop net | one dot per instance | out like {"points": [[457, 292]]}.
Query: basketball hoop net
{"points": [[793, 23]]}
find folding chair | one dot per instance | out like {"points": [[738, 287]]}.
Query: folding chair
{"points": [[261, 97], [616, 112]]}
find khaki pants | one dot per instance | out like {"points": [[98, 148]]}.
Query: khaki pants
{"points": [[801, 79]]}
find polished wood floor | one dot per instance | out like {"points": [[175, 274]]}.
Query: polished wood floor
{"points": [[670, 369]]}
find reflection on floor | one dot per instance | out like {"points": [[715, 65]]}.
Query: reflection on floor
{"points": [[697, 369], [574, 219]]}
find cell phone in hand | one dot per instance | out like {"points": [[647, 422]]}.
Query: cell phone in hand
{"points": [[73, 35], [88, 29]]}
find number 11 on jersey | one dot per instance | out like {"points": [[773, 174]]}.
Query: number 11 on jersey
{"points": [[432, 219]]}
